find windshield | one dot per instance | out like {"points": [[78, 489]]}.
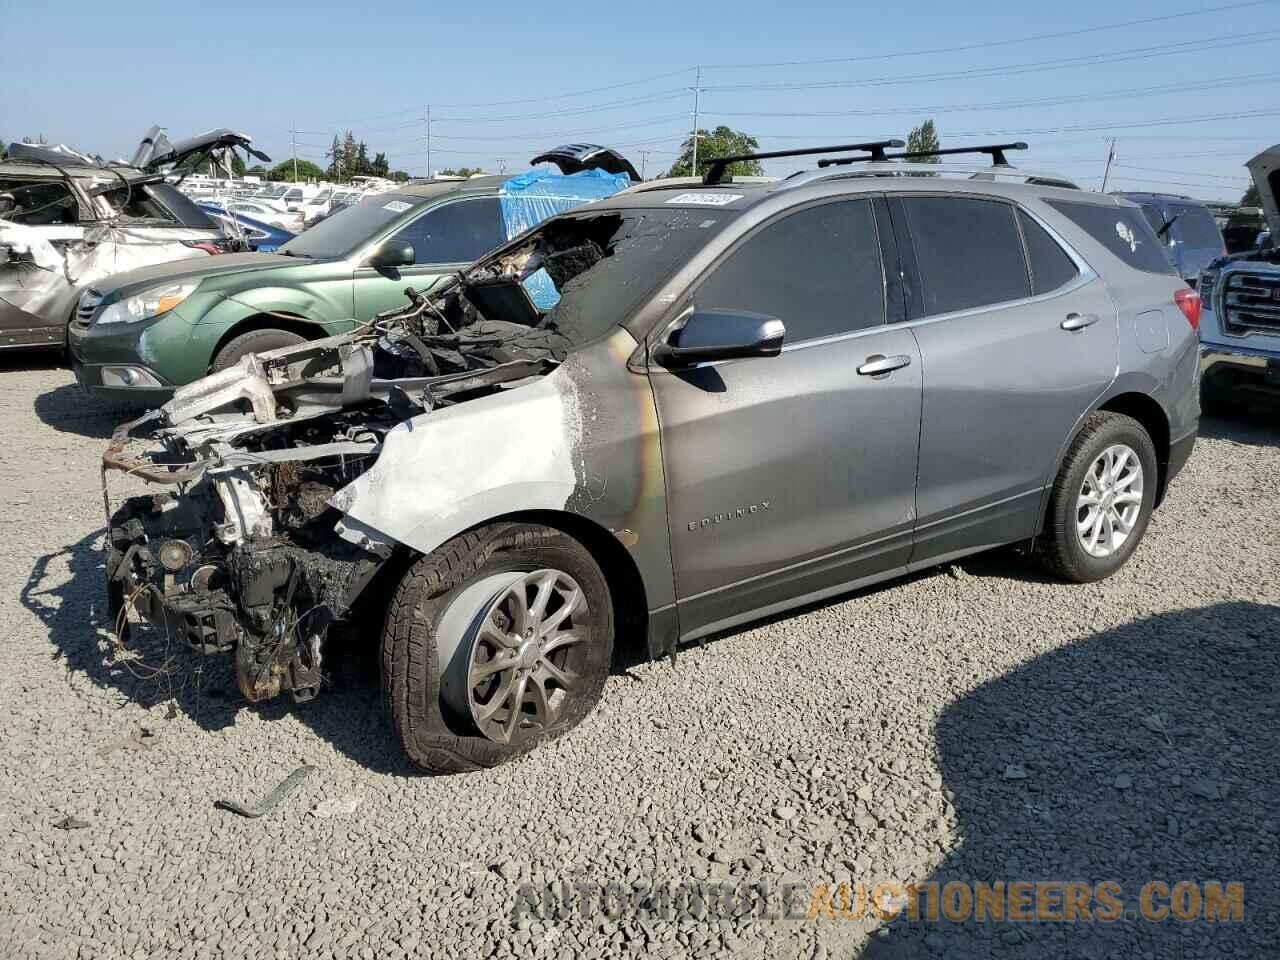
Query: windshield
{"points": [[345, 231], [609, 263]]}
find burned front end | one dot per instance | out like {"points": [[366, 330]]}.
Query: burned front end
{"points": [[246, 549]]}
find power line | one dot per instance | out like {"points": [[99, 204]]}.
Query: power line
{"points": [[1010, 104], [1004, 70], [987, 44]]}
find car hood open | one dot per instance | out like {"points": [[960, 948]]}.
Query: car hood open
{"points": [[574, 157], [156, 151], [1265, 170]]}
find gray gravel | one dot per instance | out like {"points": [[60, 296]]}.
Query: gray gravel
{"points": [[976, 722]]}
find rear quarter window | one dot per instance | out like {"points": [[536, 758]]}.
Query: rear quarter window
{"points": [[1124, 231]]}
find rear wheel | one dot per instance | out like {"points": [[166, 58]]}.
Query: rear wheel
{"points": [[255, 341], [1102, 499], [499, 640]]}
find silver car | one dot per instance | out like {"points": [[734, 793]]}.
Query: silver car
{"points": [[748, 396]]}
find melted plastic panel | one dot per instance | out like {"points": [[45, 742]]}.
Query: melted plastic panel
{"points": [[532, 197]]}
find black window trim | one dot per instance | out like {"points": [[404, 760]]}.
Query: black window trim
{"points": [[915, 317], [685, 300], [1026, 250]]}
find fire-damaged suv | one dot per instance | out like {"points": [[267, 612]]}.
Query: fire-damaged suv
{"points": [[746, 396]]}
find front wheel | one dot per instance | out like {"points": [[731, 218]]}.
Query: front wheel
{"points": [[497, 641], [1102, 499], [255, 341]]}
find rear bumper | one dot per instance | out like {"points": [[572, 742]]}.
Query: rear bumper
{"points": [[1179, 454]]}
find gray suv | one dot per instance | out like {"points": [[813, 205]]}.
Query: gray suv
{"points": [[748, 396]]}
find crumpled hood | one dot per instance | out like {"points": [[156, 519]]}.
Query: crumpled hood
{"points": [[1265, 170]]}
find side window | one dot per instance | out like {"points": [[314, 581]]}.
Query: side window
{"points": [[1051, 268], [817, 270], [38, 204], [457, 232], [1124, 231], [968, 252]]}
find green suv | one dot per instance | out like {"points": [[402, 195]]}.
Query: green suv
{"points": [[138, 335]]}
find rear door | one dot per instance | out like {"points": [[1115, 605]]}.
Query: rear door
{"points": [[794, 475], [445, 238], [1018, 338], [43, 218]]}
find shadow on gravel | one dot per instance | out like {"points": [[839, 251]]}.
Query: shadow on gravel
{"points": [[1148, 752], [68, 409], [1254, 425]]}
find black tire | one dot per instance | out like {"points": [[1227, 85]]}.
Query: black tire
{"points": [[435, 736], [255, 341], [1059, 548]]}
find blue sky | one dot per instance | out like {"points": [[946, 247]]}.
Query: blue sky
{"points": [[506, 79]]}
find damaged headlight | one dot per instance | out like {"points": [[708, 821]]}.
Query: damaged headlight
{"points": [[149, 303]]}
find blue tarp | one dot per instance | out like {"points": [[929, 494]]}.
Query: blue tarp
{"points": [[532, 197]]}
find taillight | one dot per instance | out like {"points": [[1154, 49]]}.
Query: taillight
{"points": [[207, 246], [1188, 301]]}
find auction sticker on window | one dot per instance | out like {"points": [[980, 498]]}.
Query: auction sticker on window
{"points": [[396, 206], [707, 199]]}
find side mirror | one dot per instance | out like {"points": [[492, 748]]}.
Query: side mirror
{"points": [[720, 335], [392, 253]]}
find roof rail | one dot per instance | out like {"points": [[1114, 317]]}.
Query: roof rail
{"points": [[874, 150], [994, 150]]}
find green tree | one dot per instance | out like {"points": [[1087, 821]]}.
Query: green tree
{"points": [[721, 142], [257, 170], [380, 167], [334, 153], [349, 155], [306, 171], [924, 137], [399, 176], [460, 172], [362, 165], [1251, 197]]}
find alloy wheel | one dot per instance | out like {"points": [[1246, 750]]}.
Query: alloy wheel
{"points": [[1110, 501]]}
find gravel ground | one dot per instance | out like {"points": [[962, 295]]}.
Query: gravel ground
{"points": [[976, 723]]}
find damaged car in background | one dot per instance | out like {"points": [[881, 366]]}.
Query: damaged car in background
{"points": [[651, 419], [68, 220]]}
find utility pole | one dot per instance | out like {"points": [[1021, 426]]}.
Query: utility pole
{"points": [[697, 90], [293, 139], [426, 122], [502, 165], [1111, 155], [644, 156]]}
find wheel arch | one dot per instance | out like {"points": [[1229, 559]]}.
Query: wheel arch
{"points": [[621, 572], [1131, 400], [273, 320], [1148, 412]]}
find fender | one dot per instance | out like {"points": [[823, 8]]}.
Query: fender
{"points": [[581, 440]]}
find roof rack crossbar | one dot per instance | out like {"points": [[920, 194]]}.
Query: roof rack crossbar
{"points": [[874, 149], [994, 150]]}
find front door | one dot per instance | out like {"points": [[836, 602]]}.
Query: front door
{"points": [[792, 476], [445, 239], [1018, 340]]}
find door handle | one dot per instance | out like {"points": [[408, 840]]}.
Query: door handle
{"points": [[878, 364], [1078, 321]]}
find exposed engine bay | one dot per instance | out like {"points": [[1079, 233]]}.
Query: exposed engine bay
{"points": [[249, 551]]}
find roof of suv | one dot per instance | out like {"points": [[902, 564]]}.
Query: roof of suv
{"points": [[737, 196]]}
